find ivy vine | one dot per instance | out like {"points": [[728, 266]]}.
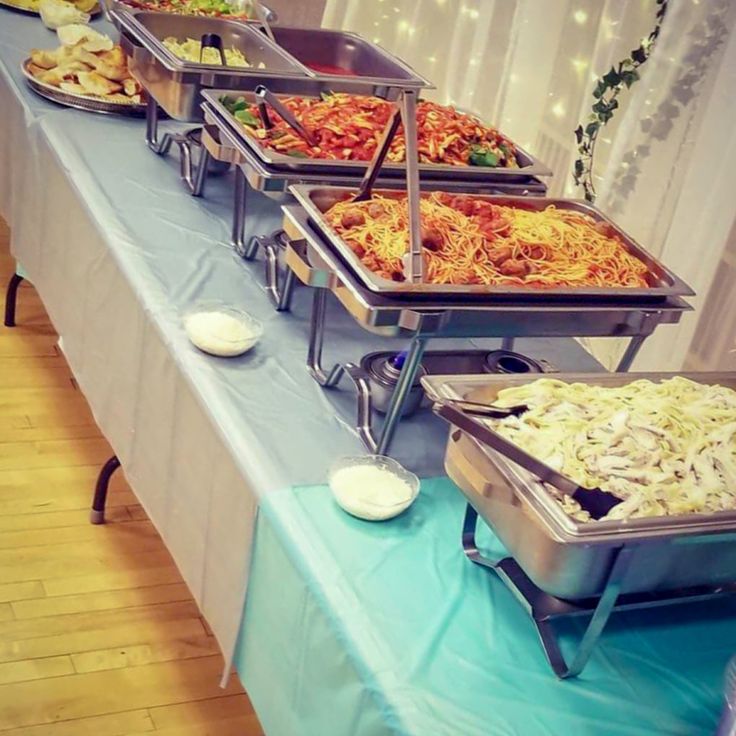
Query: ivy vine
{"points": [[606, 93]]}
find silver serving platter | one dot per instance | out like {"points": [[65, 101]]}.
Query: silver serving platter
{"points": [[316, 263], [81, 102], [176, 84], [96, 10], [571, 559], [317, 200], [528, 165]]}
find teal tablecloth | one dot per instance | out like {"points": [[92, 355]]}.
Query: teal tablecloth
{"points": [[359, 629]]}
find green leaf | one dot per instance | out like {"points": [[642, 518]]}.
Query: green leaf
{"points": [[630, 77], [579, 134], [326, 94], [248, 118], [480, 156], [612, 78], [591, 128], [297, 154], [639, 55], [579, 168]]}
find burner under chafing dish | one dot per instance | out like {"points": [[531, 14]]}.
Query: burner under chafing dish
{"points": [[384, 368]]}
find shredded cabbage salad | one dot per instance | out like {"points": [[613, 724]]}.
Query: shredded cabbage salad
{"points": [[665, 448], [191, 49]]}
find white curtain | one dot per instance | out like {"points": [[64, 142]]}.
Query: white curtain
{"points": [[665, 165]]}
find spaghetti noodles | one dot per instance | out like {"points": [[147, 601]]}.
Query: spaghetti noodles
{"points": [[473, 241], [349, 128]]}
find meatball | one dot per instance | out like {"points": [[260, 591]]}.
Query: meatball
{"points": [[352, 218], [432, 239], [500, 254], [512, 267], [376, 210]]}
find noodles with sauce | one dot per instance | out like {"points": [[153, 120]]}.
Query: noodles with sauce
{"points": [[472, 241]]}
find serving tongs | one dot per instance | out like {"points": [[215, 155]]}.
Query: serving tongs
{"points": [[212, 41], [595, 501], [406, 112], [263, 96]]}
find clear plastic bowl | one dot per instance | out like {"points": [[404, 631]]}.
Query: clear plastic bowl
{"points": [[354, 503], [211, 339]]}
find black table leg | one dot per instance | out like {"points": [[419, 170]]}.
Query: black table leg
{"points": [[97, 515], [11, 296]]}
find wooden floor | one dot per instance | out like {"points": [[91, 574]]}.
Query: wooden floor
{"points": [[98, 634]]}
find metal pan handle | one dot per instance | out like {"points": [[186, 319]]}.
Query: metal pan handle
{"points": [[483, 434]]}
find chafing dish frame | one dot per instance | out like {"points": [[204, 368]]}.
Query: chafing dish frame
{"points": [[327, 169], [619, 564], [317, 265]]}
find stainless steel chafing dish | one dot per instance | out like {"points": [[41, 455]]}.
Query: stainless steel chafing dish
{"points": [[472, 177], [176, 84], [318, 200], [571, 559], [372, 69], [316, 262]]}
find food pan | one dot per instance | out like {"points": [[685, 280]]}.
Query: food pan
{"points": [[272, 179], [571, 559], [371, 68], [664, 284], [528, 166], [176, 84]]}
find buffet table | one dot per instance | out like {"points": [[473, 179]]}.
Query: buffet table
{"points": [[118, 252], [350, 628]]}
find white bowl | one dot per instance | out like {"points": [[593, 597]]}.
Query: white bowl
{"points": [[366, 503], [219, 329]]}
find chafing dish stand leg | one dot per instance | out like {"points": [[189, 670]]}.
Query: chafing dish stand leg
{"points": [[279, 292], [11, 298], [316, 341], [632, 350], [194, 179], [97, 514], [246, 251], [507, 343], [401, 392], [543, 608]]}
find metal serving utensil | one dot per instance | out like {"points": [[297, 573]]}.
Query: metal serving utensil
{"points": [[264, 95], [262, 15], [413, 261], [365, 190], [595, 501], [213, 41]]}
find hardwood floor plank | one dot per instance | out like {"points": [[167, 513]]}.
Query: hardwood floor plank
{"points": [[115, 724], [97, 693], [201, 711], [106, 600], [47, 454], [35, 669], [120, 635], [41, 372], [240, 726], [57, 519], [135, 577], [137, 655], [26, 346], [22, 591], [85, 532]]}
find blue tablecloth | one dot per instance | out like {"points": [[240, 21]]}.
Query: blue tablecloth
{"points": [[365, 629]]}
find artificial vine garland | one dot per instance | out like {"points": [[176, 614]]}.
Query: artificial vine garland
{"points": [[606, 92]]}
